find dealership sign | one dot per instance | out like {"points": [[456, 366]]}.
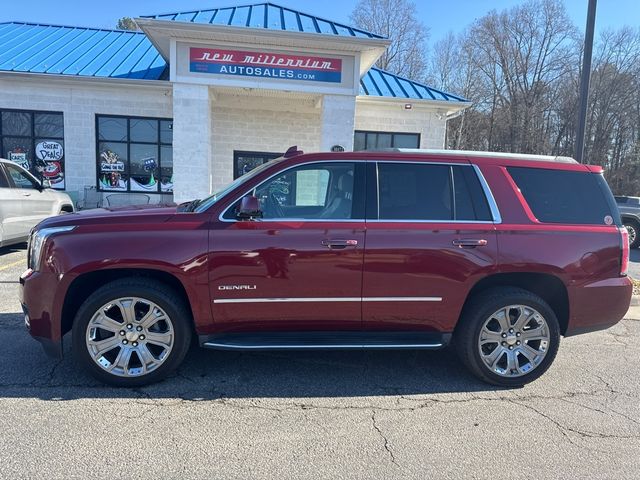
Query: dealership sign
{"points": [[265, 65]]}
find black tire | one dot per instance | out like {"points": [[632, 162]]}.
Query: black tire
{"points": [[148, 289], [632, 226], [478, 309]]}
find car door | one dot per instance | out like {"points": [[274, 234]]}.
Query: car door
{"points": [[431, 238], [299, 267], [30, 203]]}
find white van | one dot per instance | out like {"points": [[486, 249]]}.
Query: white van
{"points": [[24, 202]]}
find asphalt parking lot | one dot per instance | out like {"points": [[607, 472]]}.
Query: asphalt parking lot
{"points": [[319, 415]]}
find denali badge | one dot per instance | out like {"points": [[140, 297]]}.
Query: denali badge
{"points": [[236, 287]]}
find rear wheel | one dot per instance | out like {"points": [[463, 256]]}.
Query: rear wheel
{"points": [[634, 233], [507, 336], [131, 332]]}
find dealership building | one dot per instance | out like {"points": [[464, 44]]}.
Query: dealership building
{"points": [[194, 99]]}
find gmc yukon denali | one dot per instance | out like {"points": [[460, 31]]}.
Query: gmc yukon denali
{"points": [[498, 255]]}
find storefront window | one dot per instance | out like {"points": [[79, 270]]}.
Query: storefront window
{"points": [[134, 154], [244, 162], [378, 140], [35, 141]]}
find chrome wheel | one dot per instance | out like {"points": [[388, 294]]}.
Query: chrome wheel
{"points": [[633, 234], [129, 337], [514, 340]]}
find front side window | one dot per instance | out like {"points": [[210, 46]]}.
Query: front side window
{"points": [[322, 191], [418, 191], [35, 141], [134, 154], [365, 140], [20, 179]]}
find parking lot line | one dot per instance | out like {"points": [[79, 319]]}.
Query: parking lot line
{"points": [[9, 265]]}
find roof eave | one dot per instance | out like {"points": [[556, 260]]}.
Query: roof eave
{"points": [[106, 81], [447, 107]]}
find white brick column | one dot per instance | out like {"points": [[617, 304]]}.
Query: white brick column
{"points": [[192, 149], [338, 113]]}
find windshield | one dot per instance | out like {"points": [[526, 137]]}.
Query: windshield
{"points": [[212, 199]]}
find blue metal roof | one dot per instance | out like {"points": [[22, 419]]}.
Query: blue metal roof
{"points": [[87, 52], [266, 15], [380, 83], [103, 53]]}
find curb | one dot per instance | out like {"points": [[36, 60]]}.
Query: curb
{"points": [[635, 300]]}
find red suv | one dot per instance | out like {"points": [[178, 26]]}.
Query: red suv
{"points": [[498, 255]]}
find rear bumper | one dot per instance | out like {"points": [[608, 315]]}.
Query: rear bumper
{"points": [[599, 305], [37, 297]]}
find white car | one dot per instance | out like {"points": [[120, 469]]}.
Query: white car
{"points": [[24, 202]]}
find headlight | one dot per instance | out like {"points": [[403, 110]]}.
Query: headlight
{"points": [[36, 242]]}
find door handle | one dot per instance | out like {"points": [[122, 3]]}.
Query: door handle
{"points": [[339, 244], [470, 243], [26, 194]]}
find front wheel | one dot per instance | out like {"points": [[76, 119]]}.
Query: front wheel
{"points": [[507, 336], [131, 332]]}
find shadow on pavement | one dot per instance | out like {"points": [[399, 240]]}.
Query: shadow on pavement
{"points": [[18, 247], [218, 375]]}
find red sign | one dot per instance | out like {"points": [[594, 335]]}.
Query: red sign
{"points": [[265, 64]]}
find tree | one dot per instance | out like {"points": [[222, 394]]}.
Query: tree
{"points": [[397, 20], [126, 23], [520, 67]]}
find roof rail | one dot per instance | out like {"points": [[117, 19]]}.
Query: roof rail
{"points": [[471, 153]]}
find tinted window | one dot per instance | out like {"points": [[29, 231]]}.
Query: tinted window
{"points": [[16, 123], [471, 203], [35, 141], [134, 154], [363, 140], [20, 178], [414, 192], [558, 196]]}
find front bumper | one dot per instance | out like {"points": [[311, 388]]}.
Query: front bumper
{"points": [[37, 296]]}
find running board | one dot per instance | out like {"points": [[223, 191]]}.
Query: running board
{"points": [[325, 340]]}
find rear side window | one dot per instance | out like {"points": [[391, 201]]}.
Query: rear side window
{"points": [[559, 196], [430, 192]]}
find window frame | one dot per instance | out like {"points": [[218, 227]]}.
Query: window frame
{"points": [[32, 137], [359, 194], [159, 144], [373, 194], [4, 179], [393, 134]]}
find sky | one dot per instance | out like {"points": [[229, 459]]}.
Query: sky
{"points": [[440, 16]]}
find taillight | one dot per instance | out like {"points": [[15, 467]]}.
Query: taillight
{"points": [[624, 260]]}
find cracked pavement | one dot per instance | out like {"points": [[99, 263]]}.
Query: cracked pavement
{"points": [[319, 414]]}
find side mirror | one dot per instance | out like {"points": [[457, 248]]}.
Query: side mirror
{"points": [[46, 183], [249, 208]]}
